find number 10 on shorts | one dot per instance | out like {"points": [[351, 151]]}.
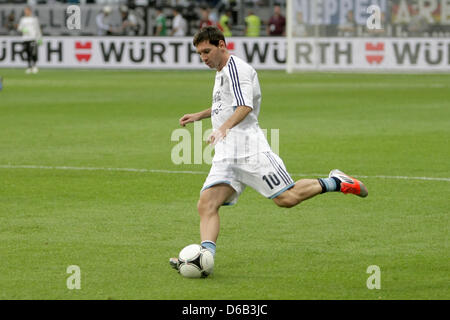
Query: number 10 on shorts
{"points": [[272, 180]]}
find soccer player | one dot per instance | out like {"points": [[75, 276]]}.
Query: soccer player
{"points": [[243, 156], [179, 24], [32, 37]]}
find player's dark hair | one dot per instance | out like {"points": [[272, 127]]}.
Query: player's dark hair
{"points": [[209, 33]]}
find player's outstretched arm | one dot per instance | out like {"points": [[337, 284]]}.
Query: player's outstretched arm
{"points": [[191, 117]]}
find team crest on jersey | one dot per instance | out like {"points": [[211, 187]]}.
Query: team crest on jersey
{"points": [[217, 109], [217, 96]]}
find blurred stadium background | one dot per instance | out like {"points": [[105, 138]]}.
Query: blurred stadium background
{"points": [[414, 36]]}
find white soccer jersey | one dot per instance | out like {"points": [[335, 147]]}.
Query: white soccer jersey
{"points": [[236, 85], [29, 26]]}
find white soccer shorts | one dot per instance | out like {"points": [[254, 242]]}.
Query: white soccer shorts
{"points": [[265, 172]]}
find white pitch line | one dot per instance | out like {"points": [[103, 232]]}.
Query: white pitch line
{"points": [[8, 166], [96, 169]]}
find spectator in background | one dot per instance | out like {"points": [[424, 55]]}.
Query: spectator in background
{"points": [[232, 5], [213, 16], [31, 37], [129, 22], [179, 24], [348, 27], [225, 23], [417, 26], [161, 27], [102, 20], [204, 18], [300, 27], [252, 24], [10, 24], [277, 23]]}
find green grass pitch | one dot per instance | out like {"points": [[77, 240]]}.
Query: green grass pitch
{"points": [[121, 227]]}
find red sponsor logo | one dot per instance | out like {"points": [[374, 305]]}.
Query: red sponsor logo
{"points": [[83, 51], [375, 52], [230, 46]]}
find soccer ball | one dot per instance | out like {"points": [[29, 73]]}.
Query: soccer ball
{"points": [[194, 261]]}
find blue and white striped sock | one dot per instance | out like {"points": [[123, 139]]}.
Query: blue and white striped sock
{"points": [[210, 245], [330, 184]]}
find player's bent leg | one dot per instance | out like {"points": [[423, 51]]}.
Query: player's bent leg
{"points": [[302, 190], [308, 188], [208, 208]]}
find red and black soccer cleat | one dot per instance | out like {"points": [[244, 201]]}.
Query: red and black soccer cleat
{"points": [[349, 184]]}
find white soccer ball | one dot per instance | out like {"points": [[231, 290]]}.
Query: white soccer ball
{"points": [[194, 261]]}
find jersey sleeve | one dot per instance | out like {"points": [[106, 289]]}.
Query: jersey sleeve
{"points": [[241, 85]]}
